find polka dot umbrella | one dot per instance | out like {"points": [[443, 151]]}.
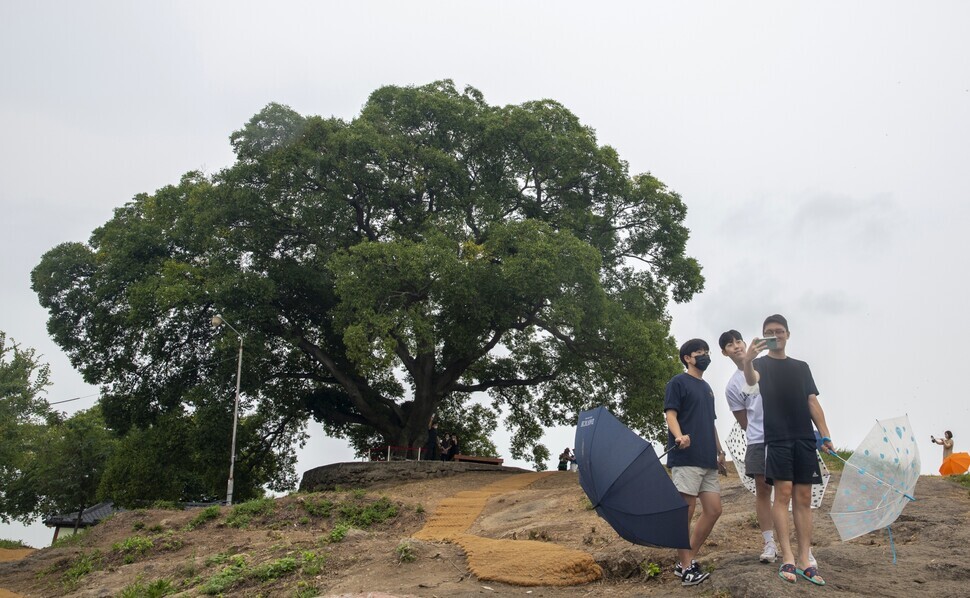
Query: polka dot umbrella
{"points": [[878, 480]]}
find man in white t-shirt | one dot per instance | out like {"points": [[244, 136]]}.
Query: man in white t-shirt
{"points": [[747, 410]]}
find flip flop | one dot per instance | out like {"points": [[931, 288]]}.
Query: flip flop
{"points": [[788, 569], [811, 574]]}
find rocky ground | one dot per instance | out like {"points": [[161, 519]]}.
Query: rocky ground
{"points": [[293, 548]]}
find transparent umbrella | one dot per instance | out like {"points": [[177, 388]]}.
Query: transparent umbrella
{"points": [[878, 480]]}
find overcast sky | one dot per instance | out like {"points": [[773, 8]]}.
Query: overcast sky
{"points": [[821, 149]]}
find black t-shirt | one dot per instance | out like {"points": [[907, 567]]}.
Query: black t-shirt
{"points": [[693, 400], [785, 385]]}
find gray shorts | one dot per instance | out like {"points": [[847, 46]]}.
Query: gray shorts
{"points": [[692, 480], [754, 460]]}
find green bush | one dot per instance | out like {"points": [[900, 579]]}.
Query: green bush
{"points": [[133, 547], [405, 553], [338, 533], [205, 515], [12, 544], [364, 516], [321, 508], [274, 569], [242, 514], [312, 562], [155, 589], [70, 540], [82, 564], [167, 505], [227, 577]]}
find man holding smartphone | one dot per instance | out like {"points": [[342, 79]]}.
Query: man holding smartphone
{"points": [[746, 408], [790, 402]]}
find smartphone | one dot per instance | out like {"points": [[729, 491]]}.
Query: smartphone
{"points": [[771, 342]]}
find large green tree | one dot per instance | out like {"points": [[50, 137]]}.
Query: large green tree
{"points": [[433, 247], [24, 416]]}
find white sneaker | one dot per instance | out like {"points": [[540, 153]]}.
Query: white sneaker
{"points": [[770, 553]]}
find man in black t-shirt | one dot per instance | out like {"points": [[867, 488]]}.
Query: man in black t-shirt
{"points": [[789, 398], [689, 411]]}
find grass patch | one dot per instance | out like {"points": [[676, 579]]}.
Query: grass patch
{"points": [[133, 547], [204, 516], [233, 573], [405, 553], [833, 463], [242, 514], [962, 480], [318, 508], [70, 540], [274, 569], [338, 533], [305, 590], [12, 544], [312, 563], [155, 589], [82, 564], [363, 516]]}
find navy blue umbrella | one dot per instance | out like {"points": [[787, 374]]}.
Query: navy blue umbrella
{"points": [[629, 488]]}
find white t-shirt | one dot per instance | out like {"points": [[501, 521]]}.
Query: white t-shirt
{"points": [[751, 404]]}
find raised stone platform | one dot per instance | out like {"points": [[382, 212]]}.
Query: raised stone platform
{"points": [[361, 474]]}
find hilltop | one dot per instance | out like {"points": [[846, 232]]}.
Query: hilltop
{"points": [[364, 539]]}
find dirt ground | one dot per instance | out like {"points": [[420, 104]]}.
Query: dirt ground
{"points": [[932, 543]]}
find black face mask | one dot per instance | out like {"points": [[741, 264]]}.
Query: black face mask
{"points": [[702, 361]]}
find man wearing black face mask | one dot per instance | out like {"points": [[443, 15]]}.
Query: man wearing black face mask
{"points": [[689, 410]]}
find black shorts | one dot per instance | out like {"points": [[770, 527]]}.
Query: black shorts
{"points": [[793, 461]]}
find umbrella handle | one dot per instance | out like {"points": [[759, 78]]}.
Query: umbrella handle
{"points": [[864, 472]]}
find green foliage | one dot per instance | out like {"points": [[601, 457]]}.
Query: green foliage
{"points": [[133, 547], [318, 508], [364, 515], [205, 515], [12, 544], [650, 570], [311, 562], [71, 539], [338, 533], [167, 505], [241, 514], [235, 572], [405, 552], [381, 269], [24, 416], [81, 565], [305, 590], [155, 589], [274, 569], [68, 469]]}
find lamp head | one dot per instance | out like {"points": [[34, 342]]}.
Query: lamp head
{"points": [[217, 321]]}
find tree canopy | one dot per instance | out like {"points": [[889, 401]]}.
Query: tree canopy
{"points": [[24, 415], [433, 247]]}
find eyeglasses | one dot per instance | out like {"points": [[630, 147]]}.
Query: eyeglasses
{"points": [[776, 332]]}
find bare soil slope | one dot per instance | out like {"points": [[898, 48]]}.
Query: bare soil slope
{"points": [[297, 548]]}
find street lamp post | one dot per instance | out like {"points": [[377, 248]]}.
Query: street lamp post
{"points": [[218, 320]]}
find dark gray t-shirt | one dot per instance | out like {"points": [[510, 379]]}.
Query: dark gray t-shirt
{"points": [[785, 385], [693, 400]]}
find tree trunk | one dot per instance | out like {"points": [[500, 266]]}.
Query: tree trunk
{"points": [[77, 522]]}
